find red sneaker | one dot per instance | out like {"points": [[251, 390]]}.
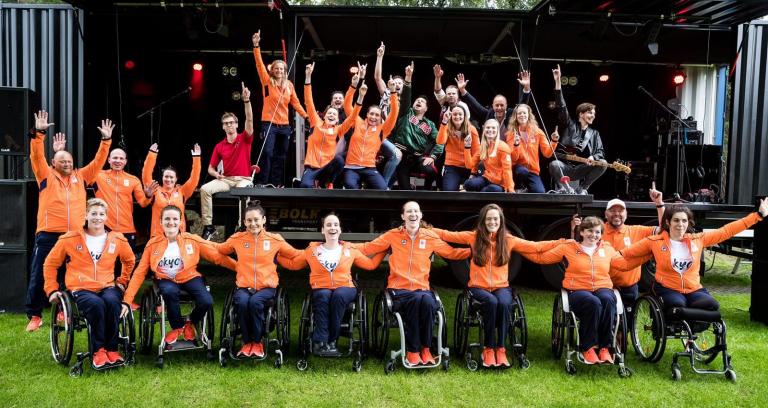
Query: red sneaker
{"points": [[34, 323], [245, 351], [330, 186], [189, 331], [134, 306], [590, 357], [605, 356], [60, 317], [100, 358], [172, 336], [114, 357], [257, 350], [412, 358], [501, 357], [426, 356], [489, 357]]}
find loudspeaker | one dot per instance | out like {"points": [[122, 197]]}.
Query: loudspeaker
{"points": [[18, 202], [703, 164], [758, 308], [16, 119], [13, 273]]}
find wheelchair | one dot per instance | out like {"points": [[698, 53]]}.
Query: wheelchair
{"points": [[702, 332], [565, 334], [66, 319], [469, 315], [354, 326], [276, 333], [386, 317], [152, 311]]}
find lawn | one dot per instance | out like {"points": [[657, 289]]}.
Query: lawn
{"points": [[29, 377]]}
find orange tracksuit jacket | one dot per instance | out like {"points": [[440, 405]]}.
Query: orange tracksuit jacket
{"points": [[256, 257], [454, 147], [82, 272], [622, 238], [321, 144], [410, 261], [498, 169], [191, 248], [116, 188], [62, 199], [583, 272], [661, 249], [491, 277], [162, 198], [341, 277], [275, 108], [528, 152], [366, 141]]}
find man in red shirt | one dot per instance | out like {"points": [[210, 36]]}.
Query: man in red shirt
{"points": [[234, 154]]}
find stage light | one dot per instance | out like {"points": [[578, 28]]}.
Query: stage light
{"points": [[233, 71], [129, 64], [197, 66], [604, 78], [679, 78]]}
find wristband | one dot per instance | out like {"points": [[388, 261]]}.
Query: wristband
{"points": [[41, 131], [248, 101], [660, 206]]}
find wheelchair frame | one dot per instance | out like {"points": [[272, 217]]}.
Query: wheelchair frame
{"points": [[61, 349]]}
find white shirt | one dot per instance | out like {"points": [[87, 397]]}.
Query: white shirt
{"points": [[588, 250], [681, 257], [171, 263], [95, 245], [329, 258]]}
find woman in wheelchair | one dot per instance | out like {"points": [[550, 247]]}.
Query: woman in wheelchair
{"points": [[173, 257], [589, 263], [412, 245], [489, 275], [677, 251], [257, 277], [90, 257], [330, 277]]}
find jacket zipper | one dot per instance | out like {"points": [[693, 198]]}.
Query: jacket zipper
{"points": [[410, 257], [255, 271]]}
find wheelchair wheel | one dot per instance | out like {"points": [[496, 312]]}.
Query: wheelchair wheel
{"points": [[461, 324], [621, 333], [127, 336], [305, 343], [648, 333], [147, 318], [283, 320], [227, 330], [362, 309], [380, 326], [444, 333], [518, 330], [209, 328], [62, 331], [558, 327]]}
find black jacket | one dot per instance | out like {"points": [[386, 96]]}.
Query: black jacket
{"points": [[572, 139], [484, 113]]}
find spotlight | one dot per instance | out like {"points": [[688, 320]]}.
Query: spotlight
{"points": [[225, 70], [572, 81], [197, 66], [129, 64], [236, 96], [233, 71], [679, 78], [604, 78]]}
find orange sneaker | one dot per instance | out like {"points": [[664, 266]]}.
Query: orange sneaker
{"points": [[34, 323], [426, 356], [257, 350], [189, 331], [245, 351], [501, 357], [489, 357], [330, 186], [134, 306], [114, 357], [412, 358], [590, 357], [605, 356], [172, 336], [100, 358], [60, 317]]}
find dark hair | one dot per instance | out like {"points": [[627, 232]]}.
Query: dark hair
{"points": [[483, 239], [322, 219], [254, 207], [422, 96], [398, 77], [170, 207], [587, 223], [669, 212], [169, 168], [423, 223], [374, 106], [336, 92], [584, 107]]}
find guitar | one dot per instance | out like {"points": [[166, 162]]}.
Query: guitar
{"points": [[615, 165]]}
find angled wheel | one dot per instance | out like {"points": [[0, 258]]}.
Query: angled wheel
{"points": [[518, 330], [283, 320], [363, 326], [127, 336], [62, 328], [380, 326], [305, 331], [147, 318], [209, 328], [461, 324], [648, 334], [227, 330], [558, 328], [621, 333]]}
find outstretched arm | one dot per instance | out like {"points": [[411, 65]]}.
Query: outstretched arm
{"points": [[194, 177], [90, 171], [380, 84], [246, 94]]}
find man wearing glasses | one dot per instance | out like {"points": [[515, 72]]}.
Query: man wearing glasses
{"points": [[234, 154]]}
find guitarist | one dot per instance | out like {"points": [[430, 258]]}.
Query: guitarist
{"points": [[578, 138]]}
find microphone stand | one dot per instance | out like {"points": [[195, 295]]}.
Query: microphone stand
{"points": [[679, 156], [158, 107]]}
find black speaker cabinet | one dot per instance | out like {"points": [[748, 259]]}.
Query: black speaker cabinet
{"points": [[14, 264], [16, 119], [758, 309], [18, 205]]}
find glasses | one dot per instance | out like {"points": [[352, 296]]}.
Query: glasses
{"points": [[229, 123]]}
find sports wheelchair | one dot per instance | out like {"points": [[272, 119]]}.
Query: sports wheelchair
{"points": [[66, 319], [276, 329], [386, 316], [702, 332], [153, 311], [469, 315], [354, 326], [565, 334]]}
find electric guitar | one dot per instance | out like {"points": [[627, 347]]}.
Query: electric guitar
{"points": [[616, 165]]}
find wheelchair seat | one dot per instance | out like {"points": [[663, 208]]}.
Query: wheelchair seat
{"points": [[687, 313]]}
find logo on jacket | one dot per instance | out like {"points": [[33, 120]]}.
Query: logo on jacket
{"points": [[111, 249], [73, 179], [79, 247], [190, 249], [403, 242], [266, 245], [126, 182], [247, 245], [627, 241], [422, 243], [664, 248]]}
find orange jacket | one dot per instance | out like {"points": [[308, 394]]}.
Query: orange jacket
{"points": [[454, 147], [177, 196], [498, 169], [61, 205], [366, 141], [275, 108], [321, 278], [660, 247], [321, 144], [583, 272], [622, 238], [256, 257], [491, 277], [410, 261], [82, 272], [191, 248], [528, 152], [116, 188]]}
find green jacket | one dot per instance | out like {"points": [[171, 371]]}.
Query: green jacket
{"points": [[416, 136]]}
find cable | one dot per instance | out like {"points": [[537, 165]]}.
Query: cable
{"points": [[119, 80]]}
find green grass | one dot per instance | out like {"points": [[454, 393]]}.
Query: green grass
{"points": [[29, 377]]}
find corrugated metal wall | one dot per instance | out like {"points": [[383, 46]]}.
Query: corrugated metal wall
{"points": [[748, 143], [42, 48]]}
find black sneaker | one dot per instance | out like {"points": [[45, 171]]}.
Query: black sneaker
{"points": [[332, 350], [208, 232], [319, 347]]}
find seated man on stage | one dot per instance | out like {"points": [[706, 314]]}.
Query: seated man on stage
{"points": [[579, 139]]}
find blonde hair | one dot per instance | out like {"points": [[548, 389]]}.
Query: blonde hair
{"points": [[95, 202], [272, 79], [514, 127], [464, 129], [484, 153]]}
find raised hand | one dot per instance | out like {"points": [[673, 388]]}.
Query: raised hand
{"points": [[106, 129], [256, 38], [59, 142], [355, 76], [245, 93], [517, 139], [361, 69], [655, 195], [380, 51], [461, 83], [409, 71], [468, 141], [524, 79], [438, 71], [556, 74], [149, 190], [309, 69], [363, 89], [391, 85], [575, 222], [196, 150], [446, 117], [763, 209], [154, 148], [555, 136], [41, 120]]}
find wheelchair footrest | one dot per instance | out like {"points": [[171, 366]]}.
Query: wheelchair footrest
{"points": [[183, 345]]}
